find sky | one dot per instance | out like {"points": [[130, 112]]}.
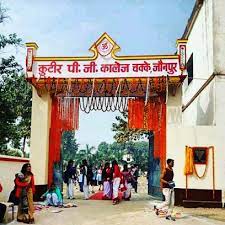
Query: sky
{"points": [[70, 27]]}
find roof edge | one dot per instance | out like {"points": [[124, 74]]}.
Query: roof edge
{"points": [[192, 19]]}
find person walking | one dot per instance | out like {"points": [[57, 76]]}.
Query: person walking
{"points": [[69, 177], [135, 175], [99, 178], [107, 182], [93, 181], [80, 178], [127, 178], [116, 181], [87, 177], [167, 190]]}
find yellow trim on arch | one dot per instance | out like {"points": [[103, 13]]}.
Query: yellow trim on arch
{"points": [[32, 44], [181, 41], [144, 57], [116, 48], [103, 36], [86, 58], [81, 58], [78, 58]]}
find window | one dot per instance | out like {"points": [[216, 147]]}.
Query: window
{"points": [[190, 69]]}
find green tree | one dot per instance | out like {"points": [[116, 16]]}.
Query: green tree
{"points": [[69, 145], [123, 133], [15, 96], [139, 151], [103, 151], [86, 153], [117, 151]]}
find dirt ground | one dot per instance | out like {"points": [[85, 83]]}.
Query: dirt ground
{"points": [[135, 212]]}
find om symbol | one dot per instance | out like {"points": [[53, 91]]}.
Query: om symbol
{"points": [[105, 46]]}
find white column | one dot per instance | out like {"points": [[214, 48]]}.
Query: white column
{"points": [[40, 123]]}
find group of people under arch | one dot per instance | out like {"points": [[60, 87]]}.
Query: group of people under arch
{"points": [[111, 177]]}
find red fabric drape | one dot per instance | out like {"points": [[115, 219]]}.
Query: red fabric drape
{"points": [[163, 137], [54, 139], [66, 121], [150, 117], [159, 128], [135, 113]]}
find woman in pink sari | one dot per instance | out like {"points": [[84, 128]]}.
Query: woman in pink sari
{"points": [[107, 182], [127, 179]]}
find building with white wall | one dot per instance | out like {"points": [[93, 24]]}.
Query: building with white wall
{"points": [[200, 118]]}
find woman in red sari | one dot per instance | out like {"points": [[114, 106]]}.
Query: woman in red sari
{"points": [[116, 181], [25, 189]]}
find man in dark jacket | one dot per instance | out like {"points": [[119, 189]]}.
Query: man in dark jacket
{"points": [[69, 178]]}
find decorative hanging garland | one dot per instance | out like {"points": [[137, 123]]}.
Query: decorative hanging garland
{"points": [[68, 110], [88, 104], [200, 177], [189, 165], [206, 166], [104, 104]]}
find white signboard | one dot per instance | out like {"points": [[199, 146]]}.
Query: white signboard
{"points": [[92, 69], [105, 64]]}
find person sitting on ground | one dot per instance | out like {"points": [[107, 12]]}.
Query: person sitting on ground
{"points": [[53, 196]]}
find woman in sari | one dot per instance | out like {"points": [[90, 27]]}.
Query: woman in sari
{"points": [[127, 180], [116, 181], [25, 189], [107, 182]]}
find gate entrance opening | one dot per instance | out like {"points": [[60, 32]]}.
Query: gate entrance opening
{"points": [[142, 84]]}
